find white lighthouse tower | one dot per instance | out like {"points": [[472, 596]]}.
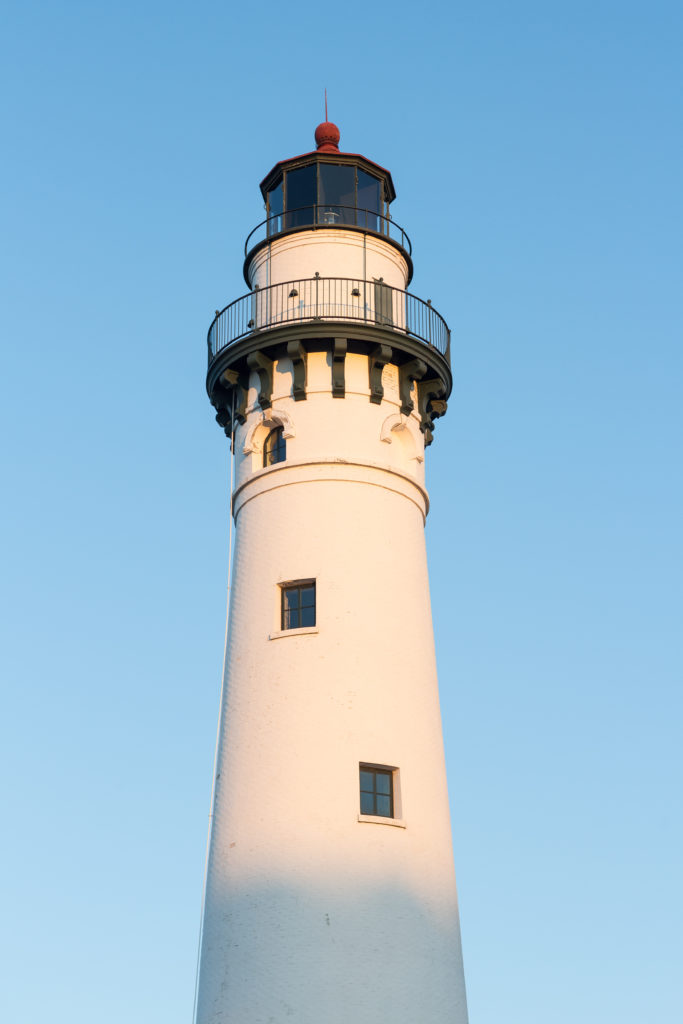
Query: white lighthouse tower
{"points": [[330, 892]]}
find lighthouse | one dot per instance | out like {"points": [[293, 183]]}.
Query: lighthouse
{"points": [[330, 892]]}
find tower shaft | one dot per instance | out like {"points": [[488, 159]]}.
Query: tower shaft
{"points": [[330, 893]]}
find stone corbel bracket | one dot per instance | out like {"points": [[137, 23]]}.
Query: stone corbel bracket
{"points": [[379, 357], [407, 374], [297, 353], [431, 405], [339, 346], [263, 366], [229, 399]]}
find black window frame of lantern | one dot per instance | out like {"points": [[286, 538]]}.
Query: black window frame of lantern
{"points": [[316, 214], [376, 773], [298, 588], [277, 451]]}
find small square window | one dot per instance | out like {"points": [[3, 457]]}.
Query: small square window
{"points": [[376, 791], [298, 605]]}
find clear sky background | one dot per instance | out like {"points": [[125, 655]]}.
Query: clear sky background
{"points": [[536, 150]]}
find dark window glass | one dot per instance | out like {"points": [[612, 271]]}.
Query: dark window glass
{"points": [[367, 803], [301, 197], [383, 806], [307, 606], [368, 200], [275, 210], [383, 783], [275, 447], [337, 194], [298, 605], [376, 792]]}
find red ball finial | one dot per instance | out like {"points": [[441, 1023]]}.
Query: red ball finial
{"points": [[327, 137]]}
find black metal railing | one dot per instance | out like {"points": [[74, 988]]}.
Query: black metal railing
{"points": [[372, 303], [324, 215]]}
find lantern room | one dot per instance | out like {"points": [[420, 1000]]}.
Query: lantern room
{"points": [[324, 189], [328, 189]]}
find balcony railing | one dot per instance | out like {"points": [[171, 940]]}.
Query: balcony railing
{"points": [[372, 303], [323, 215]]}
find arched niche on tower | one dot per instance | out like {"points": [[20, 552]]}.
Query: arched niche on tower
{"points": [[260, 428], [407, 446]]}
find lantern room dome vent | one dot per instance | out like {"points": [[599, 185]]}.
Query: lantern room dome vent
{"points": [[327, 137]]}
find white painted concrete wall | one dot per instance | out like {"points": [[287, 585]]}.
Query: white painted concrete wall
{"points": [[312, 916], [332, 253]]}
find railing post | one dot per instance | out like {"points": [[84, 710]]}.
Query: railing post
{"points": [[317, 279]]}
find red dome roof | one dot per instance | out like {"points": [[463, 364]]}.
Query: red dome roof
{"points": [[327, 137]]}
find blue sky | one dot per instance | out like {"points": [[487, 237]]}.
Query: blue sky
{"points": [[536, 150]]}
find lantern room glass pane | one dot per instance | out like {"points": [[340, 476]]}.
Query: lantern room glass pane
{"points": [[369, 198], [301, 197], [275, 210], [337, 194]]}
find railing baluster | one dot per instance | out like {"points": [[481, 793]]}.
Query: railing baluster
{"points": [[325, 298], [314, 215]]}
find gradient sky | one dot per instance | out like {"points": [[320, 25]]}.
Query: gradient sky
{"points": [[537, 154]]}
